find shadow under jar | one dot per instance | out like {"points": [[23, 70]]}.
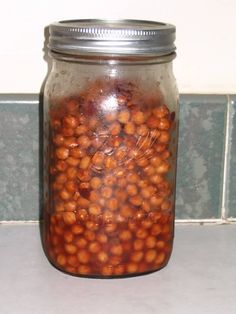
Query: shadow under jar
{"points": [[110, 140]]}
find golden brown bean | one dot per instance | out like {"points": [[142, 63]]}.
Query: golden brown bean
{"points": [[161, 111], [136, 257], [129, 128], [107, 270], [69, 218], [98, 159], [141, 233], [70, 121], [92, 225], [163, 168], [160, 244], [150, 242], [65, 195], [163, 124], [117, 249], [77, 229], [115, 128], [132, 189], [106, 192], [138, 244], [58, 139], [102, 238], [123, 116], [138, 117], [119, 270], [94, 209], [131, 267], [126, 211], [84, 163], [142, 130], [94, 247], [95, 183], [83, 203], [72, 260], [102, 257], [136, 200], [70, 206], [83, 141], [59, 207], [77, 152], [125, 235], [62, 153], [61, 260], [110, 162], [110, 227], [61, 165], [72, 161], [84, 270], [156, 229], [83, 256], [81, 129], [160, 258], [90, 235], [81, 242], [67, 132], [70, 248], [150, 256]]}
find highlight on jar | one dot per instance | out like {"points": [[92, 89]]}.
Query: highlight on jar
{"points": [[112, 156]]}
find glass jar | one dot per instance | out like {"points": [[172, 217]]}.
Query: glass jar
{"points": [[110, 140]]}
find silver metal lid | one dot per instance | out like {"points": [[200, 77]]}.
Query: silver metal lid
{"points": [[112, 37]]}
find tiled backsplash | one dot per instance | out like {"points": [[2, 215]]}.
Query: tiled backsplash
{"points": [[206, 177]]}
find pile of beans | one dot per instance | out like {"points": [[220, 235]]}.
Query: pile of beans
{"points": [[110, 207]]}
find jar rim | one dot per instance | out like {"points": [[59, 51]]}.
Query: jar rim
{"points": [[112, 37]]}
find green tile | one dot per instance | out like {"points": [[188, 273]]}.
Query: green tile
{"points": [[201, 156], [19, 175], [231, 178]]}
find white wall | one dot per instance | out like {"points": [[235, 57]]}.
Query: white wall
{"points": [[206, 38]]}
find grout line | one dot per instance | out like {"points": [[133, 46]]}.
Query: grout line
{"points": [[224, 209]]}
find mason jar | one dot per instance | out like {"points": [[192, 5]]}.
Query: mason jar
{"points": [[110, 141]]}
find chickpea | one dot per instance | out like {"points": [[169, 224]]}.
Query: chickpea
{"points": [[72, 260], [102, 257], [161, 111], [69, 218], [77, 229], [111, 116], [59, 207], [115, 260], [110, 227], [82, 215], [94, 197], [81, 129], [132, 267], [132, 177], [67, 132], [94, 247], [142, 130], [102, 238], [156, 229], [84, 163], [138, 244], [62, 153], [92, 225], [125, 235], [72, 161], [61, 260], [163, 168], [147, 223], [142, 162], [156, 200], [135, 200], [131, 189], [141, 233], [83, 256], [56, 124], [95, 183], [150, 242], [58, 139], [129, 128], [65, 195], [119, 270], [61, 165], [121, 195], [156, 178], [166, 205], [112, 204], [121, 183], [107, 270], [149, 170], [106, 192], [83, 141], [84, 270], [71, 186], [138, 117], [160, 244], [123, 116], [150, 256], [55, 240], [77, 152], [70, 121], [163, 124], [146, 206], [126, 211], [94, 209], [110, 162], [160, 258], [71, 173], [98, 159], [115, 128], [89, 235], [136, 257], [70, 206], [164, 137], [117, 249], [71, 105], [81, 243], [70, 248], [152, 122]]}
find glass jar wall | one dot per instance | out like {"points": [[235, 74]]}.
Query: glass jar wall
{"points": [[110, 140]]}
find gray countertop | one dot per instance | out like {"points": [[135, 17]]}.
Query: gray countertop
{"points": [[200, 278]]}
